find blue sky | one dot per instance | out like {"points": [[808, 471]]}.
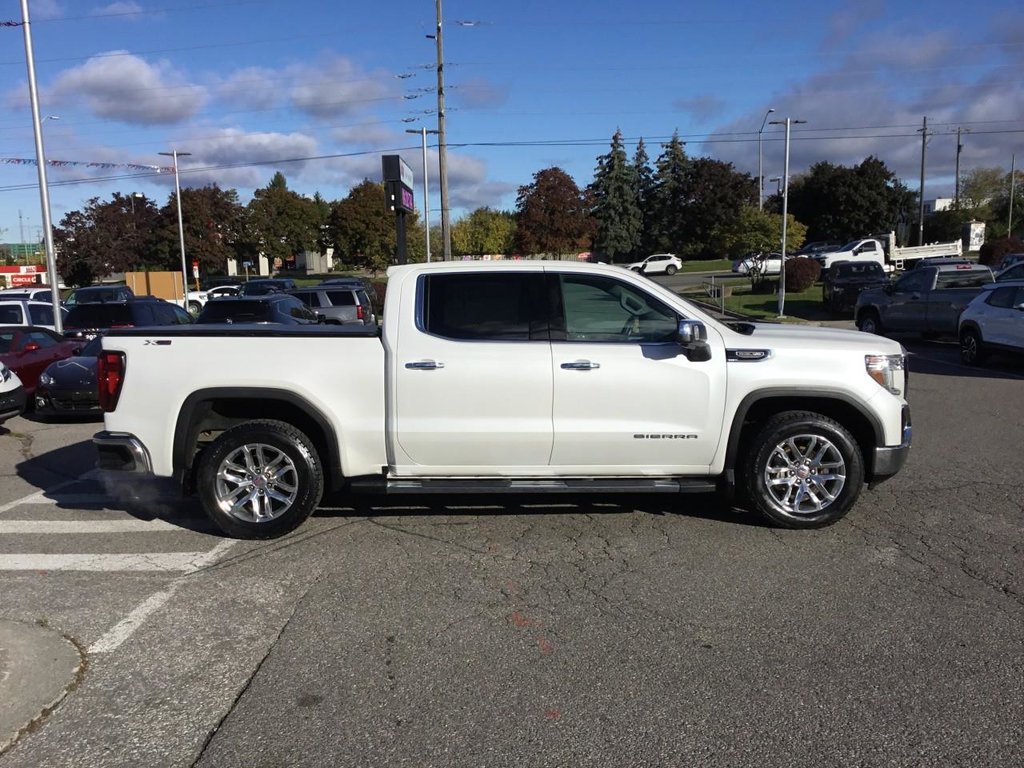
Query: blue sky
{"points": [[320, 89]]}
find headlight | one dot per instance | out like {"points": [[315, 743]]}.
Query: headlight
{"points": [[888, 370], [5, 372], [45, 379]]}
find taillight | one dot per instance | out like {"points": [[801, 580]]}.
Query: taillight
{"points": [[359, 311], [110, 377]]}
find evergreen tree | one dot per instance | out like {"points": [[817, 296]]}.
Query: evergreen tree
{"points": [[643, 177], [669, 197], [616, 208]]}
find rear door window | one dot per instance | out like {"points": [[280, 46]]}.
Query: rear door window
{"points": [[342, 298], [10, 314], [41, 314], [485, 307]]}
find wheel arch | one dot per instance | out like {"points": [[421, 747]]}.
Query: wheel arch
{"points": [[218, 408], [757, 407]]}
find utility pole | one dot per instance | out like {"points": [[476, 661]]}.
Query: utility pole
{"points": [[1013, 170], [920, 194], [760, 164], [442, 151], [959, 148]]}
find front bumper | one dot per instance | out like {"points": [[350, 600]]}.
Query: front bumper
{"points": [[121, 452], [888, 460], [67, 401], [12, 403]]}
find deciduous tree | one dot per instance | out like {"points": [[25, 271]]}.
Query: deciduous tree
{"points": [[484, 231], [551, 215]]}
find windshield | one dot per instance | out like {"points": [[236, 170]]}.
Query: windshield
{"points": [[850, 245], [235, 312]]}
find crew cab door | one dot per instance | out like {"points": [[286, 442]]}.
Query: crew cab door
{"points": [[907, 306], [627, 400], [472, 375]]}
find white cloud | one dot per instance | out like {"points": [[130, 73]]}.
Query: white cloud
{"points": [[245, 160], [129, 89], [129, 9], [252, 88], [45, 9], [336, 87]]}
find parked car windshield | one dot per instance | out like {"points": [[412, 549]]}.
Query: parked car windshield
{"points": [[239, 311]]}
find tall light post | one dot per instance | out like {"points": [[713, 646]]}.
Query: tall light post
{"points": [[785, 211], [181, 226], [426, 191], [44, 190], [760, 170]]}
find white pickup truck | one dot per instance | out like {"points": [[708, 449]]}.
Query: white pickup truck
{"points": [[503, 377], [884, 251]]}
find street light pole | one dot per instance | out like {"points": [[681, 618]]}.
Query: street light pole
{"points": [[760, 170], [426, 192], [44, 190], [181, 226], [785, 211]]}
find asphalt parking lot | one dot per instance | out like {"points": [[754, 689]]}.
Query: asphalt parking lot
{"points": [[615, 631]]}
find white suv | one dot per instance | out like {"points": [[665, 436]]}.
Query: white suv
{"points": [[994, 320], [659, 263]]}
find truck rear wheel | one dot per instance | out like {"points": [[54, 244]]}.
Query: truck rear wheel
{"points": [[869, 322], [260, 479], [803, 470]]}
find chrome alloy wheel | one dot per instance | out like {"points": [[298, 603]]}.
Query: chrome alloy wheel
{"points": [[256, 483], [805, 474]]}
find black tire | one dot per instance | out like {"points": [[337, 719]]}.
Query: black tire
{"points": [[267, 467], [671, 269], [783, 478], [194, 308], [972, 348], [870, 322]]}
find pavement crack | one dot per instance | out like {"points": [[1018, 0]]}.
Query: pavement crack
{"points": [[256, 670]]}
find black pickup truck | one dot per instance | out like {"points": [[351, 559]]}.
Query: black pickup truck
{"points": [[927, 300]]}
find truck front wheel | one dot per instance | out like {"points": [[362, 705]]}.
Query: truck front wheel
{"points": [[260, 479], [803, 470], [869, 322]]}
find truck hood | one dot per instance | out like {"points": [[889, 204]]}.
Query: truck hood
{"points": [[778, 336]]}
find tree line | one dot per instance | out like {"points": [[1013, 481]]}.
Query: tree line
{"points": [[695, 207]]}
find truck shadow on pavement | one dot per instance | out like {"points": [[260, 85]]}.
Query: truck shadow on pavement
{"points": [[699, 506]]}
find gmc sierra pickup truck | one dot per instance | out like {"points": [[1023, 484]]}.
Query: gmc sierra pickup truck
{"points": [[928, 299], [504, 377]]}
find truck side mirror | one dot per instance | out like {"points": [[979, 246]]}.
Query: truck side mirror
{"points": [[692, 336]]}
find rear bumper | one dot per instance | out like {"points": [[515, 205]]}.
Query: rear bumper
{"points": [[121, 452]]}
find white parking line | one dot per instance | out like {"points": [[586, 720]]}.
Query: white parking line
{"points": [[86, 526], [148, 561], [121, 631]]}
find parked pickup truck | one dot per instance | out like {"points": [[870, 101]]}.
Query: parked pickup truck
{"points": [[883, 250], [505, 377], [928, 299]]}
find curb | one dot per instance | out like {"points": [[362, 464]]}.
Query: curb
{"points": [[38, 667]]}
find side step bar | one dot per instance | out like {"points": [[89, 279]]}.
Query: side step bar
{"points": [[538, 485]]}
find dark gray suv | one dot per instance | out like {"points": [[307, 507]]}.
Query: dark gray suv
{"points": [[340, 304]]}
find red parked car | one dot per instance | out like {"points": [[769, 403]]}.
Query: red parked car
{"points": [[28, 350]]}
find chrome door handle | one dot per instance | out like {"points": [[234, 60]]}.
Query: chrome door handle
{"points": [[424, 365], [580, 365]]}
